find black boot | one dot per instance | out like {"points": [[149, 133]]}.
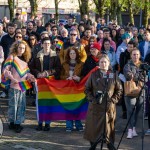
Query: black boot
{"points": [[19, 128], [92, 147], [110, 146], [11, 126], [47, 127], [39, 127]]}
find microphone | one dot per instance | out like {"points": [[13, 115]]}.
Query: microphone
{"points": [[108, 74]]}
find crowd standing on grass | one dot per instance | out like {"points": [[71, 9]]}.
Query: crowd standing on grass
{"points": [[33, 46]]}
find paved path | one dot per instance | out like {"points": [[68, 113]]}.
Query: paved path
{"points": [[57, 138]]}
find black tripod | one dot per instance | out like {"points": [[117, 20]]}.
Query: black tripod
{"points": [[143, 91], [103, 138]]}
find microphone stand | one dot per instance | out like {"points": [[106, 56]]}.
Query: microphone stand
{"points": [[103, 138]]}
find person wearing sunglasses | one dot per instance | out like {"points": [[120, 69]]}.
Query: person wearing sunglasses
{"points": [[18, 37], [54, 32], [72, 42]]}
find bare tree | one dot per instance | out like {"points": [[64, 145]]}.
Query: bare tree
{"points": [[11, 8]]}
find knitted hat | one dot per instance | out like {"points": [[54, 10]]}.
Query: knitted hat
{"points": [[125, 36], [96, 45]]}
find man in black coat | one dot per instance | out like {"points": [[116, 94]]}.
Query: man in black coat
{"points": [[8, 39]]}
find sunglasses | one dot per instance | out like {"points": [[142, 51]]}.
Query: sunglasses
{"points": [[55, 41], [20, 37], [73, 34], [32, 39]]}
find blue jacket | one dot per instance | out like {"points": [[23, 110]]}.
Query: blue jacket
{"points": [[141, 48]]}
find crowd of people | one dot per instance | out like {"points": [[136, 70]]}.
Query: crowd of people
{"points": [[33, 48]]}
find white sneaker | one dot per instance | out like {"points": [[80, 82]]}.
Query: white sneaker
{"points": [[147, 132], [134, 133], [130, 134], [3, 95]]}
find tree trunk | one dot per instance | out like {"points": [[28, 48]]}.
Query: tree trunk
{"points": [[119, 16], [11, 9], [34, 7], [100, 7], [83, 6], [146, 13], [131, 12], [56, 11], [113, 10]]}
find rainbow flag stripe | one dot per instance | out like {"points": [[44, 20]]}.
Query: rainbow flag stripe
{"points": [[61, 99], [20, 71], [59, 44], [25, 85]]}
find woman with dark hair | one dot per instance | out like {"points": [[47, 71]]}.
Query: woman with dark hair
{"points": [[71, 70], [18, 36], [103, 93], [114, 35], [92, 60], [16, 69], [32, 41]]}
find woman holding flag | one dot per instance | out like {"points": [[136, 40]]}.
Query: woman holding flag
{"points": [[71, 70], [16, 70]]}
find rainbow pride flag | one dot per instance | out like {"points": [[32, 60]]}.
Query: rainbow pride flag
{"points": [[61, 99], [25, 85], [59, 44]]}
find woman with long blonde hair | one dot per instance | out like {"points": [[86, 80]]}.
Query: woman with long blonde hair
{"points": [[16, 70]]}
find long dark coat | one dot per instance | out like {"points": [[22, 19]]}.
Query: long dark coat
{"points": [[95, 120]]}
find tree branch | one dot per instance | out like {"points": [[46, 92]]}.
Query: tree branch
{"points": [[59, 1]]}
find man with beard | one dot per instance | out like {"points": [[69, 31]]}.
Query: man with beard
{"points": [[30, 26], [8, 39], [69, 25], [85, 40], [72, 42], [86, 20]]}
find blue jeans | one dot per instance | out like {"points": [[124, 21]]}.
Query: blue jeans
{"points": [[130, 103], [16, 106], [70, 123]]}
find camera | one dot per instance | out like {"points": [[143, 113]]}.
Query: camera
{"points": [[145, 67], [99, 97]]}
